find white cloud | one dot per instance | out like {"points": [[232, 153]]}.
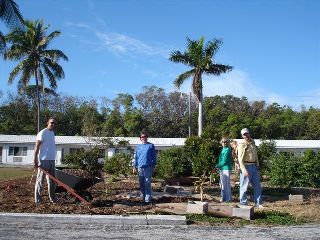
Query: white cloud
{"points": [[121, 44], [239, 84], [236, 83]]}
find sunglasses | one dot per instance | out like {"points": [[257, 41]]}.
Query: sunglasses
{"points": [[52, 122], [143, 137], [225, 142]]}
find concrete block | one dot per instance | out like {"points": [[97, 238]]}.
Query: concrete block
{"points": [[170, 189], [197, 207], [245, 212], [220, 210], [184, 193], [295, 198]]}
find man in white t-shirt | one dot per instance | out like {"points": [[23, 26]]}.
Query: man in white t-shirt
{"points": [[44, 157]]}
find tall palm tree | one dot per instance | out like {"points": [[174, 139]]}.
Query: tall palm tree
{"points": [[199, 57], [30, 47], [10, 15]]}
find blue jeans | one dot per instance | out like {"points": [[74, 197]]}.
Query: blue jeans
{"points": [[225, 185], [145, 175], [254, 179]]}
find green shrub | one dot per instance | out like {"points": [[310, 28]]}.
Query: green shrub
{"points": [[309, 170], [119, 164], [85, 160], [203, 153], [173, 163], [289, 171], [265, 152], [283, 170]]}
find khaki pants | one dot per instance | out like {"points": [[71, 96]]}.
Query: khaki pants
{"points": [[49, 166]]}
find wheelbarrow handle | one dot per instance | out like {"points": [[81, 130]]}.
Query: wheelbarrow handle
{"points": [[66, 187]]}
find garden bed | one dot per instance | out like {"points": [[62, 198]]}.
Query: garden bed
{"points": [[111, 198]]}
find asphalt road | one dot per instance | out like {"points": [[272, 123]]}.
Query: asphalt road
{"points": [[40, 230]]}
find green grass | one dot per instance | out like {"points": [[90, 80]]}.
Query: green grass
{"points": [[260, 218], [275, 218], [11, 173], [192, 218]]}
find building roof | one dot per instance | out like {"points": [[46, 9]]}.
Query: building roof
{"points": [[81, 140]]}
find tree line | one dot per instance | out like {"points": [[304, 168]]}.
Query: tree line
{"points": [[160, 113]]}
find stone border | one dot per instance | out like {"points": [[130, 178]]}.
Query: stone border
{"points": [[101, 219]]}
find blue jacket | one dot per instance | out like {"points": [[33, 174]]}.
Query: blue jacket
{"points": [[145, 156]]}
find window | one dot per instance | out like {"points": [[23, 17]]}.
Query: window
{"points": [[75, 150], [0, 151], [18, 151]]}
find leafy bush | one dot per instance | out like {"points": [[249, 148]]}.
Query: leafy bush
{"points": [[288, 171], [203, 154], [309, 170], [173, 163], [85, 160], [265, 152], [119, 164]]}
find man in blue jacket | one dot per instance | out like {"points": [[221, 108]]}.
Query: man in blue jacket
{"points": [[145, 162]]}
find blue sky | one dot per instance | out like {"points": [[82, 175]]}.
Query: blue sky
{"points": [[118, 46]]}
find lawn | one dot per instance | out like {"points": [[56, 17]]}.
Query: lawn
{"points": [[11, 173]]}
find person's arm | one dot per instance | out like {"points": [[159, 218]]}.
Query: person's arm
{"points": [[241, 151], [36, 154], [223, 159], [153, 156]]}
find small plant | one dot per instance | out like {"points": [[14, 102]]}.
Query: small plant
{"points": [[200, 184]]}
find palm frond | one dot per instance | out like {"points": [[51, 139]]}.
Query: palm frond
{"points": [[182, 77], [54, 54], [217, 69], [212, 47], [2, 43], [50, 76], [178, 57], [10, 14]]}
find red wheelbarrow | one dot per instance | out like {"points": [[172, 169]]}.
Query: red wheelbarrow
{"points": [[70, 183]]}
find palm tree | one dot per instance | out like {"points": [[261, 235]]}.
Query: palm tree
{"points": [[30, 47], [200, 58], [10, 15]]}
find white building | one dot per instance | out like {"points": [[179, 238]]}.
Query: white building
{"points": [[19, 149]]}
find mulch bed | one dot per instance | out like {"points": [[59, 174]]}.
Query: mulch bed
{"points": [[18, 196]]}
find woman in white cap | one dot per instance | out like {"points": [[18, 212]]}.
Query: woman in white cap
{"points": [[249, 164]]}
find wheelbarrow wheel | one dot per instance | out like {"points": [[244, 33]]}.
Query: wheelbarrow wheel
{"points": [[87, 195]]}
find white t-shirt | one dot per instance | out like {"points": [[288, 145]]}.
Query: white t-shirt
{"points": [[48, 145]]}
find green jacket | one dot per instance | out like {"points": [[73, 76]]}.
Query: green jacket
{"points": [[225, 159]]}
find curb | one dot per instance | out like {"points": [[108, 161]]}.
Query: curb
{"points": [[101, 219]]}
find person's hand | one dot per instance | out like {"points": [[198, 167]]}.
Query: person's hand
{"points": [[245, 173], [134, 171], [237, 166]]}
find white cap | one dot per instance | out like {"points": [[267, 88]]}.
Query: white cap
{"points": [[245, 130]]}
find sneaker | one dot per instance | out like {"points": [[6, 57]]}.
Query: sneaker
{"points": [[258, 206]]}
